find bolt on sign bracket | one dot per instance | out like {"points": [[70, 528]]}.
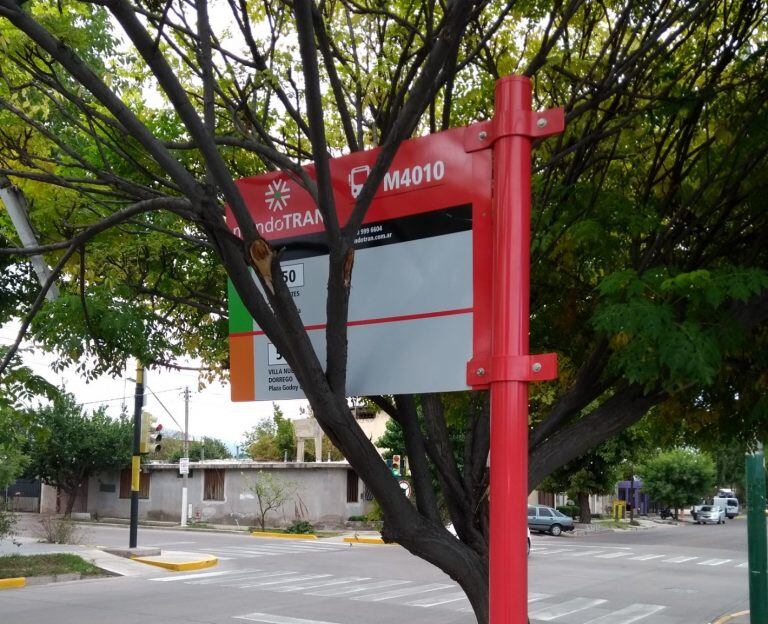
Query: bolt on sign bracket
{"points": [[482, 370]]}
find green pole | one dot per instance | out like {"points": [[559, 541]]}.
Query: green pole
{"points": [[756, 537]]}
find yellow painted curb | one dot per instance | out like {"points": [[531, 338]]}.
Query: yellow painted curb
{"points": [[178, 566], [299, 536], [10, 583], [727, 618], [364, 540]]}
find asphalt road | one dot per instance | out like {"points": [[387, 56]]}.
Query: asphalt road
{"points": [[669, 575]]}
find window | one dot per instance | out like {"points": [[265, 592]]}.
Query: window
{"points": [[125, 484], [544, 512], [352, 494], [531, 512], [213, 487]]}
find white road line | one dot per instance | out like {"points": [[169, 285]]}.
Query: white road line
{"points": [[266, 618], [293, 579], [613, 555], [586, 553], [338, 581], [438, 600], [360, 588], [164, 544], [553, 552], [226, 582], [406, 591], [237, 578], [646, 557], [186, 577], [532, 597], [628, 615], [714, 562], [743, 565], [566, 608], [679, 559]]}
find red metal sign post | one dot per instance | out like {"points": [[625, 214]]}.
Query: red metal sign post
{"points": [[511, 368]]}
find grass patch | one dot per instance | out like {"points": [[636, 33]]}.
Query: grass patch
{"points": [[611, 523], [12, 566]]}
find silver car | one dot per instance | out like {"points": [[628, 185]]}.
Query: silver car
{"points": [[710, 514], [547, 520]]}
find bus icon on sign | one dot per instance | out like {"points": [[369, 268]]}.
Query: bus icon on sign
{"points": [[357, 178]]}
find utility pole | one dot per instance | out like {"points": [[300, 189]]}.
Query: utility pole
{"points": [[756, 537], [16, 205], [138, 405], [185, 475]]}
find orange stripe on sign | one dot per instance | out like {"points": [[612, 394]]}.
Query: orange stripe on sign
{"points": [[241, 368]]}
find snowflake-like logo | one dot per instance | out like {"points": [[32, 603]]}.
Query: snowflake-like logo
{"points": [[277, 195]]}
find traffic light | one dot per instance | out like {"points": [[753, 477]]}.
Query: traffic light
{"points": [[396, 465], [151, 437]]}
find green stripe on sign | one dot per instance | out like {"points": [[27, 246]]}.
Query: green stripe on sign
{"points": [[239, 319]]}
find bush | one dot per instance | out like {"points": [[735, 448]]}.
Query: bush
{"points": [[357, 518], [300, 527], [8, 521], [572, 511], [58, 530]]}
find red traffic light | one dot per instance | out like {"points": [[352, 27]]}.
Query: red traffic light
{"points": [[158, 427]]}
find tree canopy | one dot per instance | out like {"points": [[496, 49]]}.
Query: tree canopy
{"points": [[272, 439], [126, 123], [68, 445], [678, 477]]}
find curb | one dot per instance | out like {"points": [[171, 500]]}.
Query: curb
{"points": [[364, 540], [181, 566], [11, 583], [299, 536], [727, 618]]}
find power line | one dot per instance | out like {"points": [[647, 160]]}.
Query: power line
{"points": [[122, 398]]}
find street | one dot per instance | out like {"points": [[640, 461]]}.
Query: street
{"points": [[684, 574]]}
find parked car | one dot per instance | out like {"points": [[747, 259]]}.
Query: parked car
{"points": [[452, 531], [547, 520], [710, 514]]}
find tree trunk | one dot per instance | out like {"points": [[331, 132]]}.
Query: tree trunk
{"points": [[71, 496], [585, 511]]}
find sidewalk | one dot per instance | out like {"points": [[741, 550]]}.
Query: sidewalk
{"points": [[115, 564]]}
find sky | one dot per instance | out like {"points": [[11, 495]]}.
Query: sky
{"points": [[211, 412]]}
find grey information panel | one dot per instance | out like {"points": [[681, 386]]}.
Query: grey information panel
{"points": [[410, 313]]}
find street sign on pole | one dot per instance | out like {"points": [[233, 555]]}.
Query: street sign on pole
{"points": [[184, 466], [440, 295], [422, 261]]}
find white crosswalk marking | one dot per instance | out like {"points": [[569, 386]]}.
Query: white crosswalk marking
{"points": [[285, 579], [267, 618], [714, 562], [613, 555], [679, 559], [646, 557], [227, 582], [566, 608], [586, 553], [186, 577], [743, 565], [628, 615], [555, 551], [438, 600], [406, 591], [338, 581], [533, 597], [344, 591]]}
